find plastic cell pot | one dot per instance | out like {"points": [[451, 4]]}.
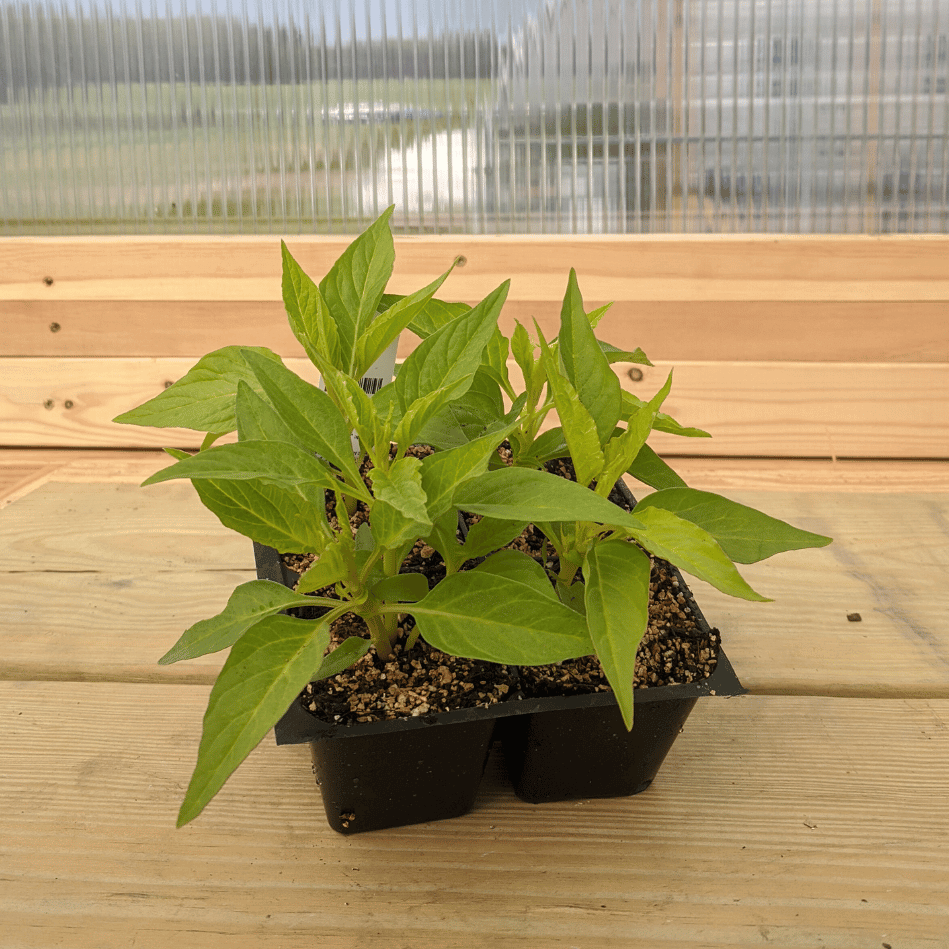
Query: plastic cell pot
{"points": [[375, 775]]}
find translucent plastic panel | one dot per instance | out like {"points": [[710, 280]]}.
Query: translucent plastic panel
{"points": [[536, 116]]}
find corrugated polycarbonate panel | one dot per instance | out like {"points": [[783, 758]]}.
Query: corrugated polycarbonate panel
{"points": [[535, 116]]}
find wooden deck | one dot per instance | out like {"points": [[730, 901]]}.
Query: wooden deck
{"points": [[811, 813]]}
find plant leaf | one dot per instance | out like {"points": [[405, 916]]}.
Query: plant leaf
{"points": [[434, 315], [517, 565], [615, 354], [530, 495], [616, 598], [266, 670], [450, 354], [354, 286], [329, 568], [277, 462], [203, 399], [290, 519], [585, 365], [309, 413], [387, 325], [402, 588], [307, 312], [257, 419], [248, 604], [490, 533], [400, 510], [444, 471], [649, 468], [745, 534], [522, 349], [578, 426], [480, 615], [663, 423], [693, 550], [346, 654]]}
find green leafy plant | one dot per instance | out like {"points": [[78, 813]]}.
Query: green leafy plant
{"points": [[294, 450]]}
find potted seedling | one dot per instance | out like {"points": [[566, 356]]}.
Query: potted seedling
{"points": [[426, 448]]}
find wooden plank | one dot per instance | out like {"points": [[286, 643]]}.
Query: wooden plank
{"points": [[791, 822], [84, 567], [809, 331], [673, 267], [752, 409]]}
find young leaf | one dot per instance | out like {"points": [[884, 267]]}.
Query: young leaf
{"points": [[745, 534], [489, 534], [290, 519], [663, 423], [652, 470], [692, 549], [444, 471], [203, 399], [400, 511], [621, 451], [276, 462], [522, 349], [347, 653], [617, 609], [257, 419], [387, 325], [481, 615], [594, 316], [530, 495], [308, 412], [452, 353], [578, 426], [307, 312], [585, 365], [267, 668], [402, 588], [248, 604], [517, 565], [547, 446], [354, 286], [435, 315], [331, 567], [614, 354]]}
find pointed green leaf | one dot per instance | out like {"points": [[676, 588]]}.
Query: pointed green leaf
{"points": [[435, 315], [522, 349], [388, 324], [615, 354], [355, 284], [330, 567], [399, 512], [621, 450], [444, 471], [745, 534], [616, 598], [663, 423], [248, 604], [266, 670], [480, 615], [578, 426], [594, 316], [309, 413], [452, 353], [257, 419], [203, 399], [346, 654], [548, 446], [526, 494], [516, 565], [490, 534], [289, 519], [692, 549], [308, 314], [585, 365], [402, 588], [652, 470]]}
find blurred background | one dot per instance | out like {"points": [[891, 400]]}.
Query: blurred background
{"points": [[496, 116]]}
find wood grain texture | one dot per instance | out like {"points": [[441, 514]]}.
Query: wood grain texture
{"points": [[752, 409], [98, 580], [786, 822], [789, 298]]}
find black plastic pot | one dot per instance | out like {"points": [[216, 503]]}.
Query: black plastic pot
{"points": [[578, 747], [394, 773]]}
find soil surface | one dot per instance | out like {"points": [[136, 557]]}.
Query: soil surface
{"points": [[424, 681]]}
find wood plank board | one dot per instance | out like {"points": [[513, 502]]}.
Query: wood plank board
{"points": [[756, 409], [780, 821], [99, 554], [733, 330]]}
